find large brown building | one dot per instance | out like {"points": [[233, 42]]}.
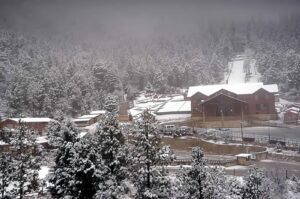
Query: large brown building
{"points": [[37, 124], [229, 104]]}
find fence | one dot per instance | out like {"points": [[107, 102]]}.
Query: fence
{"points": [[209, 161], [262, 139]]}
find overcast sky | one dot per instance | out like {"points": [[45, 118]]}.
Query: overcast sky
{"points": [[138, 18]]}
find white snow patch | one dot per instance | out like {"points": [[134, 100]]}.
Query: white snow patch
{"points": [[237, 167], [43, 172], [42, 139]]}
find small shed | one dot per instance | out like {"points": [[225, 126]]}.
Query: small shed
{"points": [[291, 115], [244, 159], [93, 118], [83, 122]]}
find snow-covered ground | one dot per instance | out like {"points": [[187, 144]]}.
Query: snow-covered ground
{"points": [[237, 73]]}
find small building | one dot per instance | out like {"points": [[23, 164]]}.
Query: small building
{"points": [[244, 159], [291, 115], [123, 115], [37, 124], [82, 122]]}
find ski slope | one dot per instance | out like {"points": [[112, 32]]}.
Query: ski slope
{"points": [[237, 73]]}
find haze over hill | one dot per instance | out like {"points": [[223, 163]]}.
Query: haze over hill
{"points": [[69, 55]]}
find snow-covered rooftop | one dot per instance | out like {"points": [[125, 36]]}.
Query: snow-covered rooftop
{"points": [[176, 106], [81, 119], [294, 110], [99, 112], [239, 89], [31, 119], [244, 155], [87, 116]]}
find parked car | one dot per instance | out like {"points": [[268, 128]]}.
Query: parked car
{"points": [[167, 129], [185, 130]]}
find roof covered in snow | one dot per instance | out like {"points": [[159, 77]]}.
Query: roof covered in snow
{"points": [[31, 119], [244, 155], [239, 89], [87, 116], [176, 106], [82, 119], [99, 112], [294, 110]]}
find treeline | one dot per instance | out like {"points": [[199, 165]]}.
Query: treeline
{"points": [[110, 164], [40, 75]]}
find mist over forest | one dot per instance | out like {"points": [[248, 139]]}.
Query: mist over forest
{"points": [[68, 55]]}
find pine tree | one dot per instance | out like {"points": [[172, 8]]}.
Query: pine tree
{"points": [[197, 174], [257, 186], [5, 174], [150, 179], [63, 177], [200, 181], [25, 164], [111, 147], [79, 168], [111, 104], [89, 169]]}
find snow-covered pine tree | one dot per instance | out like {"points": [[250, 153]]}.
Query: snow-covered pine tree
{"points": [[200, 181], [149, 88], [89, 169], [111, 146], [197, 175], [292, 188], [5, 174], [62, 180], [257, 186], [149, 177], [25, 164], [79, 168], [166, 155], [215, 183], [111, 104]]}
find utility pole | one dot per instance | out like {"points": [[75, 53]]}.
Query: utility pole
{"points": [[242, 133]]}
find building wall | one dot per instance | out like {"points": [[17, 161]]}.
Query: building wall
{"points": [[261, 103], [290, 117], [40, 127]]}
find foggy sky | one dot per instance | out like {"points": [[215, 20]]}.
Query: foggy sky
{"points": [[140, 19]]}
